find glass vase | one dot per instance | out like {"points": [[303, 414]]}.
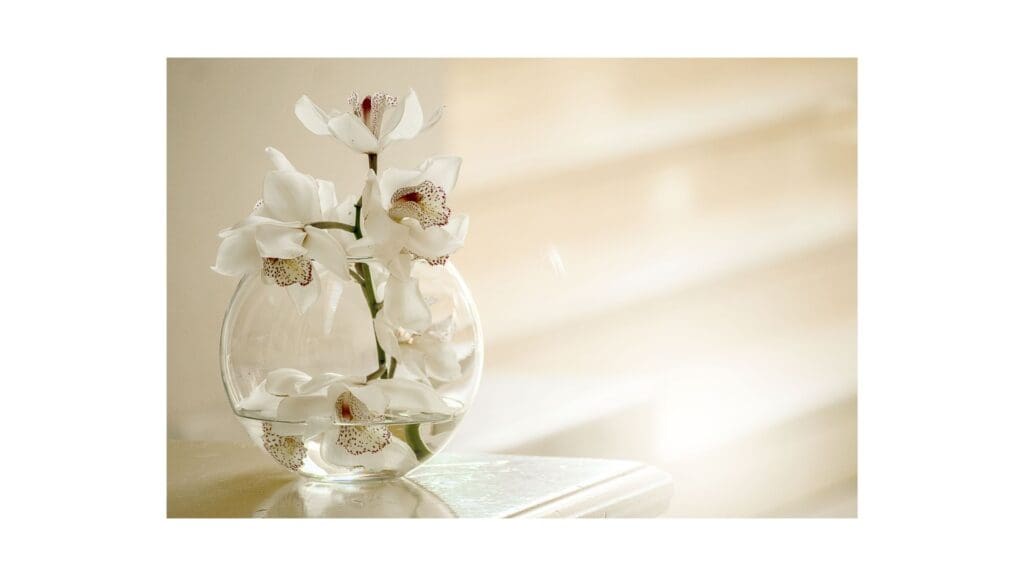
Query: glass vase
{"points": [[265, 335]]}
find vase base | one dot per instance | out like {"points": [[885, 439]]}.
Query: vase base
{"points": [[355, 478]]}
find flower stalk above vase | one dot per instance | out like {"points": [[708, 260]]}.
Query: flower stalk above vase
{"points": [[299, 230]]}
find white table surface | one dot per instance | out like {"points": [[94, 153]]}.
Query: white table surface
{"points": [[226, 480]]}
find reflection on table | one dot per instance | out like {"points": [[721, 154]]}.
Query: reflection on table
{"points": [[226, 480]]}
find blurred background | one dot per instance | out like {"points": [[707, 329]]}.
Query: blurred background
{"points": [[663, 253]]}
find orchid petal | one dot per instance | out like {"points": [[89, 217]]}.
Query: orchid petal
{"points": [[371, 195], [409, 124], [353, 133], [396, 455], [280, 242], [291, 196], [415, 362], [401, 267], [379, 275], [319, 382], [259, 400], [237, 255], [254, 220], [343, 211], [386, 337], [312, 116], [363, 248], [285, 447], [317, 424], [387, 235], [436, 241], [283, 428], [412, 396], [373, 402], [394, 178], [434, 118], [443, 171], [328, 199], [353, 437], [404, 305], [442, 363], [305, 296], [370, 395], [285, 381], [278, 159], [326, 250], [302, 408]]}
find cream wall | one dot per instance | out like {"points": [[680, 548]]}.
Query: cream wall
{"points": [[663, 253]]}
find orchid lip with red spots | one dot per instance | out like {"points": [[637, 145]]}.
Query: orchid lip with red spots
{"points": [[285, 272], [289, 451], [370, 109], [426, 203], [407, 211]]}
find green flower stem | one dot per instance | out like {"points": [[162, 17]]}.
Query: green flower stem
{"points": [[376, 374], [337, 225], [371, 302], [362, 275], [412, 437], [366, 283]]}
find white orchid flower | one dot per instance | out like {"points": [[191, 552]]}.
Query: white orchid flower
{"points": [[349, 417], [279, 240], [427, 355], [408, 209], [404, 330], [363, 128]]}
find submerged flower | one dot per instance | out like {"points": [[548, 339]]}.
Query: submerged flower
{"points": [[363, 128], [408, 209], [278, 241], [348, 418], [288, 450]]}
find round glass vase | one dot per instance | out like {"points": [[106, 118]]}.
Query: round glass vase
{"points": [[264, 332]]}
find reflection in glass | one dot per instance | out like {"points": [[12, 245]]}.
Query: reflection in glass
{"points": [[398, 498]]}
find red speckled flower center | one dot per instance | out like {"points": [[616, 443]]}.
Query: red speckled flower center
{"points": [[359, 439], [370, 109], [411, 196], [288, 271], [425, 202]]}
